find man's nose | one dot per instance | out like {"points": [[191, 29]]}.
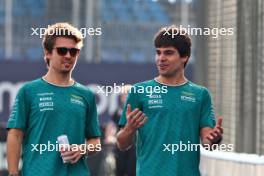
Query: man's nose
{"points": [[68, 55], [161, 57]]}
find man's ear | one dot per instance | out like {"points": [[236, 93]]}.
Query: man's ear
{"points": [[46, 53], [184, 59], [46, 56]]}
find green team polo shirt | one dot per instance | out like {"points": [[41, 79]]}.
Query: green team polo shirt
{"points": [[44, 111], [175, 116]]}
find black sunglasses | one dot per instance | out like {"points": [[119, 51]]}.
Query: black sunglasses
{"points": [[62, 51]]}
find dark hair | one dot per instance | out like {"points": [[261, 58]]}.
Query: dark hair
{"points": [[60, 30], [175, 37]]}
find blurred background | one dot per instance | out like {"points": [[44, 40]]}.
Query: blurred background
{"points": [[231, 66]]}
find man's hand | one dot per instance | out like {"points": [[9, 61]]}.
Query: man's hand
{"points": [[73, 154], [213, 136], [135, 119]]}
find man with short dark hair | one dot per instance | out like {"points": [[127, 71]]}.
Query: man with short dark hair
{"points": [[169, 121], [52, 106]]}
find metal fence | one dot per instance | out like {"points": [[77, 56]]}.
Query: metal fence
{"points": [[235, 70]]}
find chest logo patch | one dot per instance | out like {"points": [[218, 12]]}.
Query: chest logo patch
{"points": [[154, 101], [45, 101], [75, 99], [187, 96]]}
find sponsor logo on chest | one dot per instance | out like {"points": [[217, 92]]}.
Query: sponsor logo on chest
{"points": [[45, 101], [75, 99], [154, 101], [187, 96]]}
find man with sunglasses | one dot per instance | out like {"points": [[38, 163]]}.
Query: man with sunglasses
{"points": [[52, 106]]}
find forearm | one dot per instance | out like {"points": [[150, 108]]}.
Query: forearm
{"points": [[204, 132], [125, 138], [14, 142]]}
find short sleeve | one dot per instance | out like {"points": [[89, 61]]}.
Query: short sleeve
{"points": [[20, 111], [133, 100], [207, 118], [92, 128]]}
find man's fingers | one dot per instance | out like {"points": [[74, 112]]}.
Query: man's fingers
{"points": [[128, 110], [137, 115], [214, 136], [216, 132], [76, 157], [142, 122], [71, 155], [140, 118], [133, 113], [210, 137], [134, 119], [67, 153], [219, 121], [219, 130], [137, 120]]}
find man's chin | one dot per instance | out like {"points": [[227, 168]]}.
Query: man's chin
{"points": [[165, 74], [66, 71]]}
